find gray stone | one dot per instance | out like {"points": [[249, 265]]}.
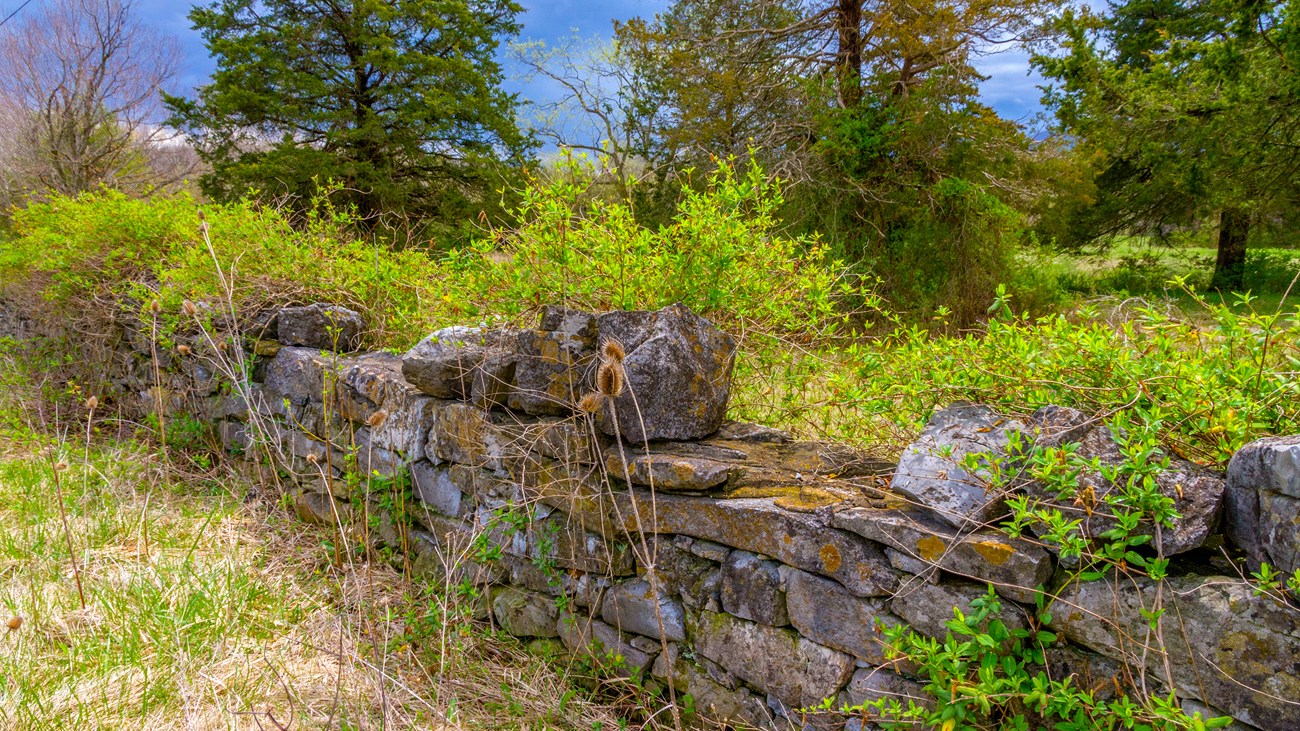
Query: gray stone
{"points": [[319, 509], [375, 459], [931, 472], [328, 327], [296, 375], [927, 608], [483, 485], [435, 487], [578, 589], [710, 550], [696, 580], [371, 391], [664, 471], [525, 613], [1055, 426], [568, 440], [494, 379], [1015, 567], [751, 589], [573, 488], [463, 434], [1197, 493], [1262, 502], [756, 524], [825, 612], [1194, 708], [741, 431], [229, 406], [552, 370], [1087, 670], [633, 607], [442, 365], [556, 540], [869, 685], [678, 369], [235, 437], [915, 566], [592, 637], [720, 703], [794, 669], [1225, 646]]}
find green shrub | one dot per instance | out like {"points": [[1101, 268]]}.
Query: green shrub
{"points": [[1271, 270], [953, 253], [1219, 379], [102, 250], [721, 254]]}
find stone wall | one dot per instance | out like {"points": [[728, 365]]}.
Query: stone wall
{"points": [[747, 569]]}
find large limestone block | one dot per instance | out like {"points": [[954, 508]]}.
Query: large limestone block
{"points": [[717, 702], [319, 325], [667, 472], [752, 589], [825, 612], [801, 540], [525, 613], [436, 486], [869, 685], [931, 472], [927, 608], [1197, 493], [633, 606], [678, 369], [794, 669], [1015, 567], [371, 391], [1225, 646], [447, 363], [1262, 502], [297, 375], [554, 362], [589, 636]]}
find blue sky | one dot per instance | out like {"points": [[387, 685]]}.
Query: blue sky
{"points": [[1010, 90]]}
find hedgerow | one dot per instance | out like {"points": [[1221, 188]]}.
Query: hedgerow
{"points": [[819, 353]]}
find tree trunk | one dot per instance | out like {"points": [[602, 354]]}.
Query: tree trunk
{"points": [[1230, 267], [848, 23]]}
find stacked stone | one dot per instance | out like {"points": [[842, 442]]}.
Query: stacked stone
{"points": [[752, 571]]}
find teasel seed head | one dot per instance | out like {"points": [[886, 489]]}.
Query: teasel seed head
{"points": [[92, 403], [155, 306], [14, 623], [312, 458], [590, 403], [189, 308], [183, 349], [609, 378], [613, 350]]}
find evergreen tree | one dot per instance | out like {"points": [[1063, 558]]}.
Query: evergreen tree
{"points": [[1194, 110], [397, 101]]}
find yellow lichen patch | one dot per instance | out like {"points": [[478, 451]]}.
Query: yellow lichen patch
{"points": [[682, 471], [931, 548], [807, 499], [799, 494], [831, 559], [995, 552]]}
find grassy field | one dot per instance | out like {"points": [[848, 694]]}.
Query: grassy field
{"points": [[207, 605]]}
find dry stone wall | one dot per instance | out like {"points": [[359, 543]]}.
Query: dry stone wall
{"points": [[618, 514]]}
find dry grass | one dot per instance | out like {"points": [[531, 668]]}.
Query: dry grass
{"points": [[209, 606]]}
